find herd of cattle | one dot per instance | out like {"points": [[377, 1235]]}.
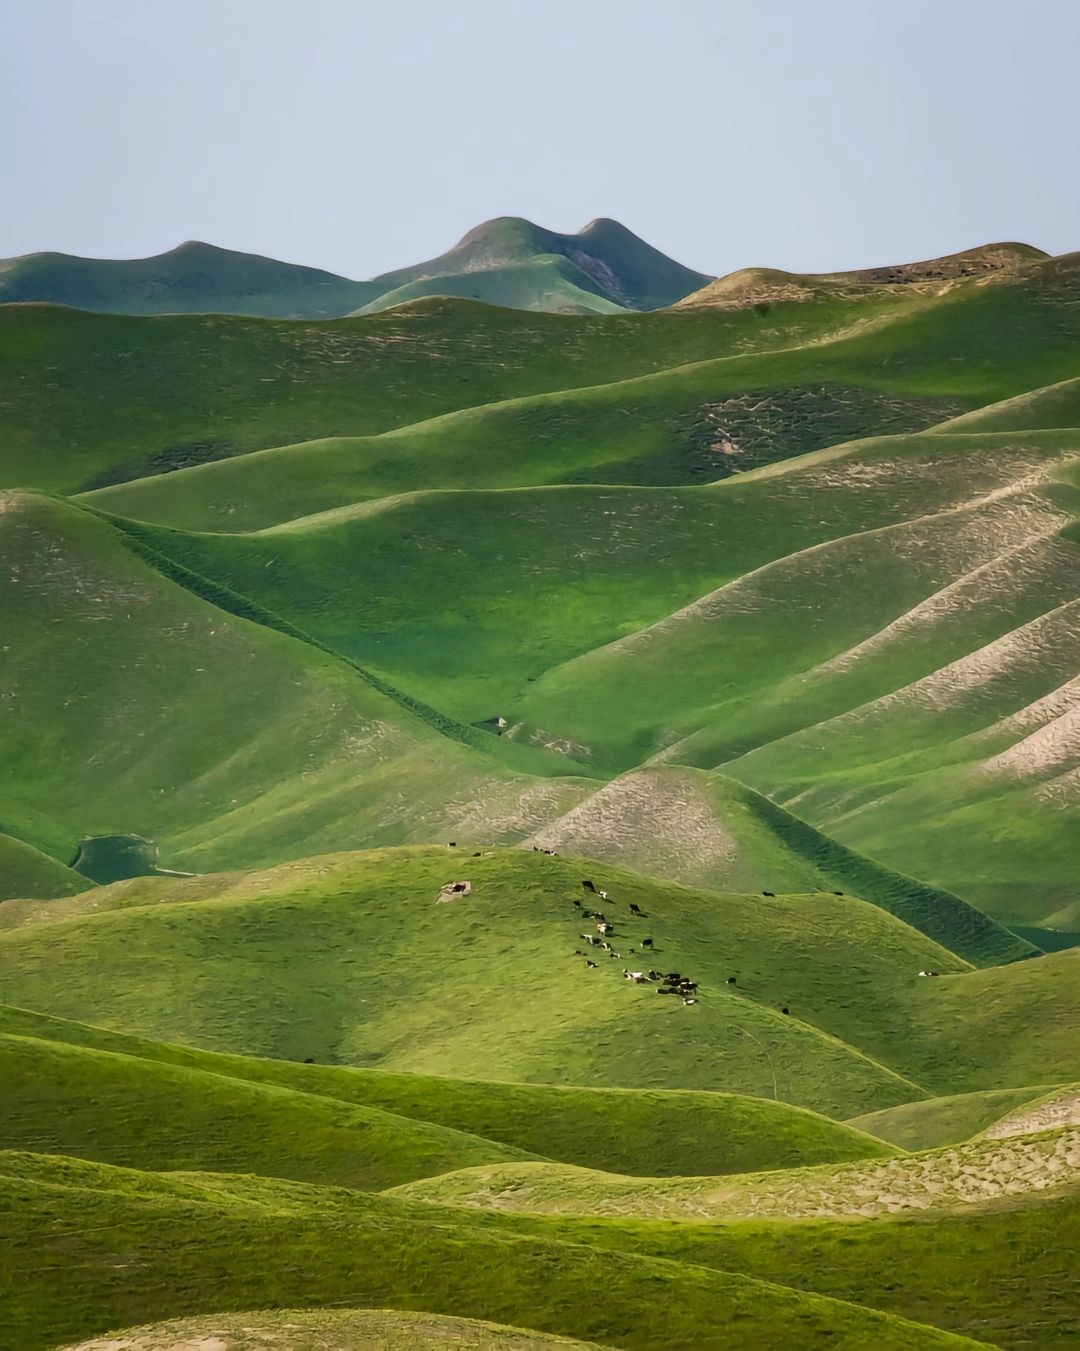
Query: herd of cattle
{"points": [[668, 982]]}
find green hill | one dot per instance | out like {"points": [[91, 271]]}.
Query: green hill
{"points": [[902, 282], [123, 1109], [289, 963], [1002, 1272], [227, 385], [26, 872], [144, 1246], [604, 268], [609, 260], [209, 1096], [277, 744], [943, 1121], [192, 278], [546, 282]]}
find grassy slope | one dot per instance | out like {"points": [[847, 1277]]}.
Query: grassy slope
{"points": [[293, 749], [976, 1173], [122, 1109], [900, 520], [611, 259], [944, 1121], [78, 413], [568, 570], [218, 1244], [353, 961], [192, 278], [1056, 405], [544, 283], [702, 421], [360, 965], [1004, 1274], [705, 830], [26, 872], [332, 1330], [667, 428], [651, 1133]]}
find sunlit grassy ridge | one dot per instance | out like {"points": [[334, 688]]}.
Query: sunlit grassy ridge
{"points": [[973, 1174], [1002, 1273], [353, 960], [215, 1242], [944, 1121], [89, 1092]]}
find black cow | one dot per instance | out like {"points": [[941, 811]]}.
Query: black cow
{"points": [[768, 893], [731, 980], [785, 1011], [646, 942], [588, 886], [636, 910], [592, 964]]}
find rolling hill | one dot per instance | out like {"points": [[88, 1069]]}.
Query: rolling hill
{"points": [[603, 268], [372, 1251], [428, 669], [115, 1098], [352, 960]]}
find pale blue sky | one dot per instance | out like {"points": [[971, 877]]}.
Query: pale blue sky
{"points": [[361, 135]]}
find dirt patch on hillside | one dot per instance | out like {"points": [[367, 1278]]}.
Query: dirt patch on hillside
{"points": [[662, 820], [1062, 1109], [761, 426]]}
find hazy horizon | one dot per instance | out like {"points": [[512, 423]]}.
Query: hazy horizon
{"points": [[364, 138]]}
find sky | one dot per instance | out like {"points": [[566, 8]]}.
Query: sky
{"points": [[363, 135]]}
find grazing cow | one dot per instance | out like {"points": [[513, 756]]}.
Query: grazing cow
{"points": [[688, 986], [674, 977], [577, 903], [768, 893], [731, 980], [309, 1060], [646, 943], [689, 1001], [592, 964], [929, 973], [587, 885], [664, 990], [654, 975], [613, 953], [785, 1011], [636, 910], [602, 895], [633, 975], [605, 928], [838, 893]]}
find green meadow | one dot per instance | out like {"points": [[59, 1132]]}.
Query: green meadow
{"points": [[540, 802]]}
